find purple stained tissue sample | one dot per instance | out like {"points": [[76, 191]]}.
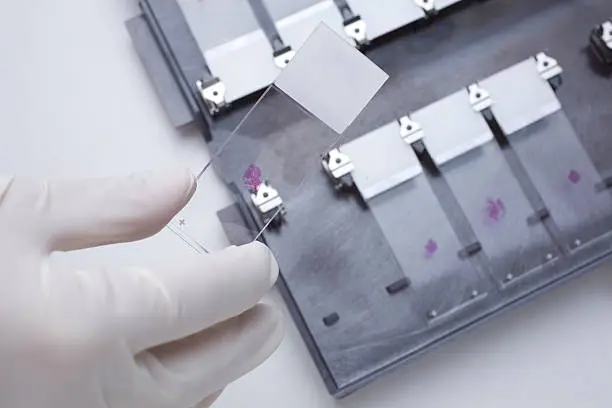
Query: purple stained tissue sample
{"points": [[430, 248], [252, 177], [574, 176], [496, 209]]}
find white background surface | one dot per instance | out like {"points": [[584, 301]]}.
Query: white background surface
{"points": [[74, 101]]}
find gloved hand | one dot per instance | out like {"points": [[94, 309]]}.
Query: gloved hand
{"points": [[170, 337]]}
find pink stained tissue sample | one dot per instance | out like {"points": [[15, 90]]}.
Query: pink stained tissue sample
{"points": [[430, 248], [252, 177], [495, 209], [574, 176]]}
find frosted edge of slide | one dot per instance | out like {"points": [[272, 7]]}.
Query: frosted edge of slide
{"points": [[331, 79]]}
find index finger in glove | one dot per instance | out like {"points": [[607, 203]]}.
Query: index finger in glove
{"points": [[86, 213]]}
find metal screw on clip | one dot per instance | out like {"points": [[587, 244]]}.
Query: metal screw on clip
{"points": [[410, 131], [269, 203], [283, 57], [549, 69], [428, 6], [213, 95], [480, 99], [356, 29], [338, 167]]}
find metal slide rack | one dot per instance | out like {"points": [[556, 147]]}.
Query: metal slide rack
{"points": [[479, 176]]}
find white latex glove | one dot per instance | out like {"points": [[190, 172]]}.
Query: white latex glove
{"points": [[126, 338]]}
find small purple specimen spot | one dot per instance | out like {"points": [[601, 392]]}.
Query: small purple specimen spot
{"points": [[430, 248], [496, 209], [574, 176], [252, 177]]}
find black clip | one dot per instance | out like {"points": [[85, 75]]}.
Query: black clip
{"points": [[470, 250], [331, 319], [398, 286], [538, 217]]}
